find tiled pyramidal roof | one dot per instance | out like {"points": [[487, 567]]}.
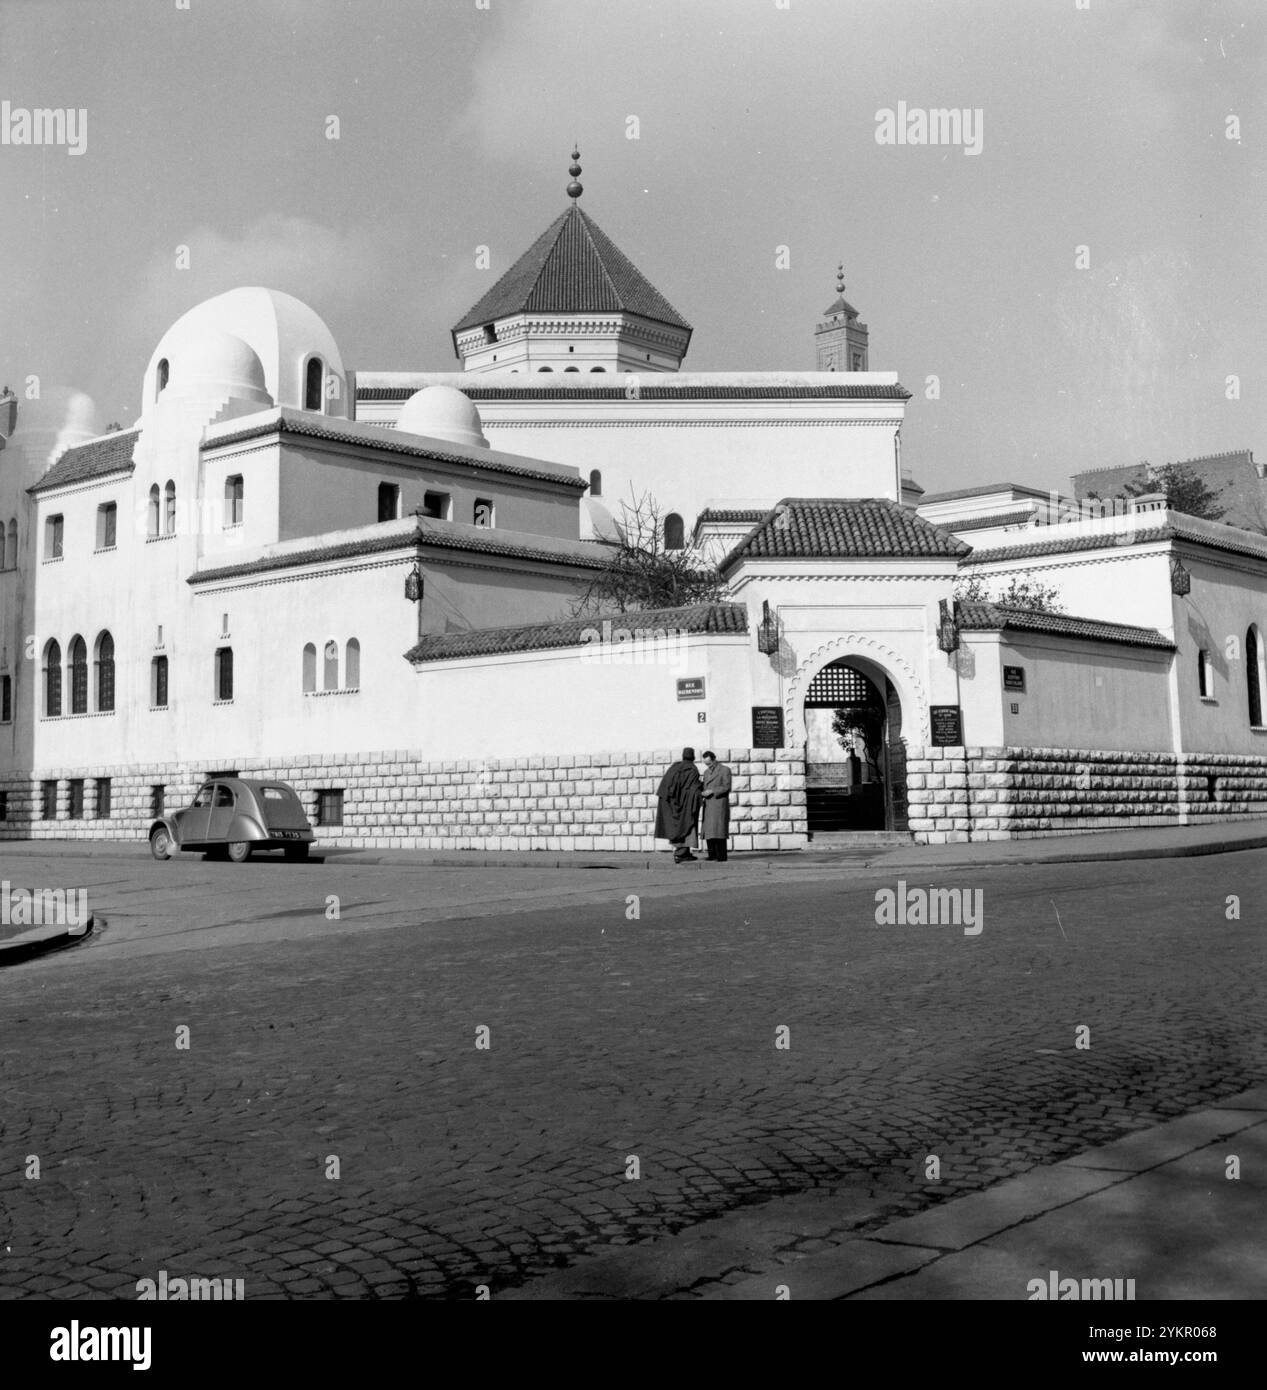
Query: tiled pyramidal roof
{"points": [[825, 528], [573, 267], [993, 617], [97, 457], [649, 625]]}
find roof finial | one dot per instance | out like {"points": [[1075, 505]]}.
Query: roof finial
{"points": [[574, 189], [840, 278]]}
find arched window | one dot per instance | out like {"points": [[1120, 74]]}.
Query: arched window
{"points": [[1254, 675], [596, 483], [105, 672], [160, 377], [151, 526], [12, 550], [224, 673], [330, 666], [78, 676], [352, 665], [169, 508], [545, 369], [158, 683], [598, 369], [314, 377], [674, 532], [233, 494], [53, 678], [571, 369], [4, 554], [1205, 684], [310, 668]]}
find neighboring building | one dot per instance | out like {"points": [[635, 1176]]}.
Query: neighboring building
{"points": [[1240, 482], [366, 584]]}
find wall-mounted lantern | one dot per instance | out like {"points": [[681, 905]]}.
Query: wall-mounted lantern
{"points": [[947, 628], [768, 632], [414, 585], [1180, 578]]}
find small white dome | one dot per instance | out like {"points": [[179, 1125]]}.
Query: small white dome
{"points": [[443, 412], [219, 364]]}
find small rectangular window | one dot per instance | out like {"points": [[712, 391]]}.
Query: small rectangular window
{"points": [[233, 495], [4, 805], [158, 799], [76, 810], [483, 512], [6, 699], [48, 800], [158, 682], [330, 807], [1203, 674], [107, 522], [388, 501], [436, 504], [103, 798], [53, 538]]}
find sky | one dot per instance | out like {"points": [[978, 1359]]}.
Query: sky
{"points": [[1075, 295]]}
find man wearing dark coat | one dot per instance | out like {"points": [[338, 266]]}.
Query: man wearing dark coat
{"points": [[715, 792], [677, 807]]}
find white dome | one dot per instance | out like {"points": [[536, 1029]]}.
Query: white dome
{"points": [[443, 412], [56, 420], [282, 331], [219, 364]]}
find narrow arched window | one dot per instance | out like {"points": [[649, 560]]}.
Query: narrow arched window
{"points": [[330, 666], [352, 665], [169, 509], [4, 554], [233, 494], [78, 676], [596, 483], [158, 682], [314, 377], [160, 377], [53, 678], [310, 668], [224, 673], [13, 543], [1204, 674], [674, 532], [1254, 675], [105, 672], [151, 526]]}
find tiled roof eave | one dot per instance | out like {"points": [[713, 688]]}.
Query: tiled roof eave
{"points": [[44, 485]]}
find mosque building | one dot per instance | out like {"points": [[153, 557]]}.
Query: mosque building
{"points": [[366, 583]]}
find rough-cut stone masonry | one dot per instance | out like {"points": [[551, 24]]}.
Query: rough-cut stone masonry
{"points": [[398, 799], [1015, 793]]}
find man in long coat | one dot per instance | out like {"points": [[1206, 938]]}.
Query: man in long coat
{"points": [[677, 807], [716, 796]]}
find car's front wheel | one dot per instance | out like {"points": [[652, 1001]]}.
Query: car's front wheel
{"points": [[161, 844], [240, 851]]}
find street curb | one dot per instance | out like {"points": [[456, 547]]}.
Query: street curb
{"points": [[19, 950]]}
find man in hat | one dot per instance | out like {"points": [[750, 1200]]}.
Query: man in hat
{"points": [[715, 791], [677, 807]]}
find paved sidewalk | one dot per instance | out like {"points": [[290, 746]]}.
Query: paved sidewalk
{"points": [[1092, 846], [1156, 1207]]}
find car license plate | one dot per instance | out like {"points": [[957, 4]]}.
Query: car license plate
{"points": [[289, 834]]}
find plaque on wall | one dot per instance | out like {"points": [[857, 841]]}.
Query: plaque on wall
{"points": [[947, 725], [767, 726], [1014, 678], [690, 688]]}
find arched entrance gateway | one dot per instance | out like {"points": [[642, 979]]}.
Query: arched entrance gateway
{"points": [[855, 759]]}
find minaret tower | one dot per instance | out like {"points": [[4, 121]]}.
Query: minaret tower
{"points": [[841, 340]]}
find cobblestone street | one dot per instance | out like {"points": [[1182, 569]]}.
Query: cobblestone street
{"points": [[610, 1039]]}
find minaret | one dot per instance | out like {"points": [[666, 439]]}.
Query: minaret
{"points": [[841, 340]]}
